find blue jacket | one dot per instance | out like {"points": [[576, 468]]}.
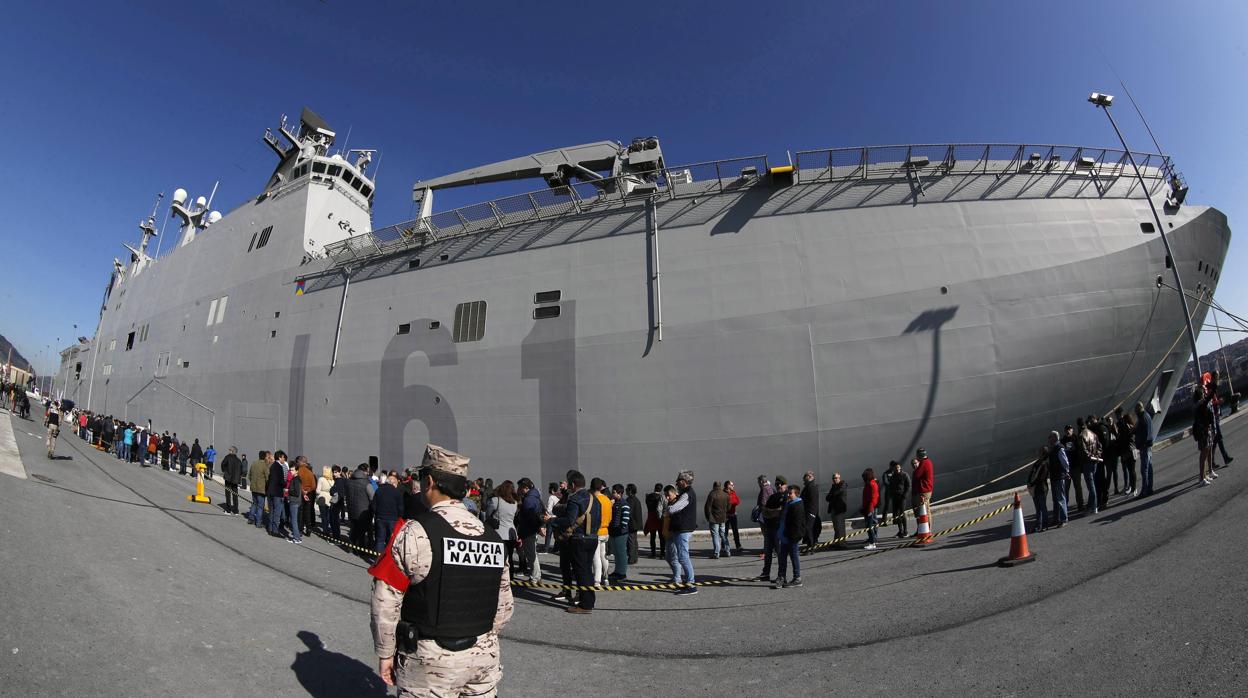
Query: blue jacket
{"points": [[1059, 464], [529, 519], [787, 526]]}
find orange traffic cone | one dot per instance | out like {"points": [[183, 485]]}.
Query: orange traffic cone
{"points": [[1018, 539], [923, 535]]}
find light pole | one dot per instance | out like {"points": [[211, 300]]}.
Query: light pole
{"points": [[1104, 101]]}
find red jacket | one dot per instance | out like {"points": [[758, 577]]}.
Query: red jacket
{"points": [[870, 496], [733, 502], [924, 476]]}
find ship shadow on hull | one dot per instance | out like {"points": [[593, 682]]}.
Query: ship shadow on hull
{"points": [[741, 211], [928, 321]]}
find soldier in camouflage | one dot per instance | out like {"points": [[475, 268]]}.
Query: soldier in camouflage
{"points": [[438, 636]]}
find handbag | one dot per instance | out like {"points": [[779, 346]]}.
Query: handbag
{"points": [[492, 519], [756, 514]]}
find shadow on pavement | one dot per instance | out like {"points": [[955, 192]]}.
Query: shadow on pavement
{"points": [[1116, 513], [330, 674], [970, 568], [976, 537]]}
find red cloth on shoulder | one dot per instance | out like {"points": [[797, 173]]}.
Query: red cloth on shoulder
{"points": [[386, 569]]}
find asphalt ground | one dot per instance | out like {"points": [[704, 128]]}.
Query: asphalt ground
{"points": [[114, 584]]}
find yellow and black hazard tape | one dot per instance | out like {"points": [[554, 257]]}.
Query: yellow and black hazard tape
{"points": [[670, 586], [665, 586], [835, 541], [344, 544], [954, 529]]}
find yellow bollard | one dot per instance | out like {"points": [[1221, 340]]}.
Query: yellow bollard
{"points": [[199, 495]]}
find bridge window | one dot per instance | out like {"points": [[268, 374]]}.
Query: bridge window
{"points": [[334, 170], [405, 328], [546, 297], [318, 167], [469, 322], [1147, 228], [129, 341]]}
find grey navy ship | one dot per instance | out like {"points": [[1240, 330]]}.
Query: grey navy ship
{"points": [[630, 318]]}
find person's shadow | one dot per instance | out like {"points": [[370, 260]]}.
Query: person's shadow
{"points": [[330, 674]]}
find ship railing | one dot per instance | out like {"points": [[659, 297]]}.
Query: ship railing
{"points": [[718, 176], [901, 161]]}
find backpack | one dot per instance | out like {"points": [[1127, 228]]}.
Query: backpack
{"points": [[583, 520]]}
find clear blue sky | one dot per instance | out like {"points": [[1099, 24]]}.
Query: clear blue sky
{"points": [[105, 104]]}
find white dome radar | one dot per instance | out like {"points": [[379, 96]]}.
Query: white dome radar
{"points": [[213, 217], [179, 196], [201, 202]]}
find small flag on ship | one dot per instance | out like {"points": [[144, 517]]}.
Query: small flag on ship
{"points": [[299, 287]]}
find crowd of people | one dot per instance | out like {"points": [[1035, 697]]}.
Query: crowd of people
{"points": [[13, 398], [1090, 454], [595, 528]]}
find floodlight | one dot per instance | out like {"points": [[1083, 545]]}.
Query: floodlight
{"points": [[1101, 100]]}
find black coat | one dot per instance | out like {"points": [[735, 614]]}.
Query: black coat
{"points": [[232, 469], [634, 512], [896, 485], [276, 486], [795, 521], [357, 494], [810, 498], [836, 498]]}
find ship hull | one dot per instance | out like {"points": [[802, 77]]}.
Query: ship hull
{"points": [[828, 340]]}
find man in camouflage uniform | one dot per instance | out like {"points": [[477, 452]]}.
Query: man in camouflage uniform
{"points": [[439, 637], [52, 420]]}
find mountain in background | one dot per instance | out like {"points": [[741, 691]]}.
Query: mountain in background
{"points": [[1232, 358], [19, 361]]}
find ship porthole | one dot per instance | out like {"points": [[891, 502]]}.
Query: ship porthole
{"points": [[437, 400], [944, 290]]}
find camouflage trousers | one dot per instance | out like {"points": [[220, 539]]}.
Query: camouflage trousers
{"points": [[434, 672], [53, 432]]}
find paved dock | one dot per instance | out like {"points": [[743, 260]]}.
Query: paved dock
{"points": [[114, 584]]}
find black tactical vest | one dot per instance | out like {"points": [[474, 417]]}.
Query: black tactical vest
{"points": [[459, 596]]}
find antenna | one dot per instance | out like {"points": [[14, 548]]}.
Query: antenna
{"points": [[346, 141], [1137, 108], [212, 195], [161, 238], [155, 206]]}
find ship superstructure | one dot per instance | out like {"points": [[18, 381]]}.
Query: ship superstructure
{"points": [[631, 318]]}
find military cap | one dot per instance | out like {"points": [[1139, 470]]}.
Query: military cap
{"points": [[439, 458]]}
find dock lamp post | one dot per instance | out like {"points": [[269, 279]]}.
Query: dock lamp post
{"points": [[1104, 101]]}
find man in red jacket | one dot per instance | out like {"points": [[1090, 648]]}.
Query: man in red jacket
{"points": [[870, 501], [922, 482]]}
